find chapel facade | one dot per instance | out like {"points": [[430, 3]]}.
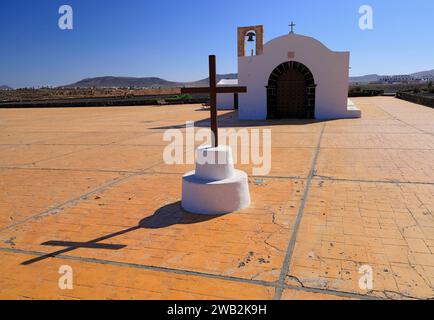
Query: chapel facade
{"points": [[291, 76]]}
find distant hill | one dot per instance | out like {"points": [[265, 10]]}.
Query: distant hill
{"points": [[423, 73], [376, 77], [4, 87], [205, 82], [365, 79], [146, 82], [154, 82], [109, 82]]}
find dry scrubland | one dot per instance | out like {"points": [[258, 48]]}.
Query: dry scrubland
{"points": [[390, 88], [29, 94], [22, 95]]}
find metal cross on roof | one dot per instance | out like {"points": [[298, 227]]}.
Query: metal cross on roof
{"points": [[292, 25]]}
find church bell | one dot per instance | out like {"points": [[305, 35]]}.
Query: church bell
{"points": [[251, 35]]}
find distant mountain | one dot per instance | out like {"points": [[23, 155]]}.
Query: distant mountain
{"points": [[154, 82], [109, 82], [423, 73], [365, 79], [4, 87], [376, 77], [205, 82], [146, 82]]}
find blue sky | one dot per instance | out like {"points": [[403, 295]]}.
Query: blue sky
{"points": [[171, 39]]}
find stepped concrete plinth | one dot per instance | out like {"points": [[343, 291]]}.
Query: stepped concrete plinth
{"points": [[215, 187]]}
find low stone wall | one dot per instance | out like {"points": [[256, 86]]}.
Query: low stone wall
{"points": [[416, 98], [365, 93], [102, 102]]}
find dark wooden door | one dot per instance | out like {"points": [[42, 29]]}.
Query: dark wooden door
{"points": [[291, 95]]}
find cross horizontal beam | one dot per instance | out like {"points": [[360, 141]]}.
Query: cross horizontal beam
{"points": [[238, 89], [93, 245], [213, 90]]}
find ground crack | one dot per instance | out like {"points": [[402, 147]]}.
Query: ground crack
{"points": [[268, 244]]}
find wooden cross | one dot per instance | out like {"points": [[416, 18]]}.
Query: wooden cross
{"points": [[213, 90], [292, 25]]}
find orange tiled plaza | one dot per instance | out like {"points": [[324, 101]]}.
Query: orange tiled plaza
{"points": [[88, 189]]}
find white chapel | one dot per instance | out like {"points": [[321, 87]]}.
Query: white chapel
{"points": [[291, 76]]}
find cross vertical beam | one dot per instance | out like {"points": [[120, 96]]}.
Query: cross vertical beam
{"points": [[213, 90], [292, 25], [213, 99]]}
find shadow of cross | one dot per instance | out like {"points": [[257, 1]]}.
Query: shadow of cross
{"points": [[94, 244], [213, 90], [166, 216]]}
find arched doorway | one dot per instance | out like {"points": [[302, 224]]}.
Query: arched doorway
{"points": [[291, 92]]}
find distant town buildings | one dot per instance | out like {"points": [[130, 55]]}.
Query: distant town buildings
{"points": [[397, 78], [405, 78], [428, 78]]}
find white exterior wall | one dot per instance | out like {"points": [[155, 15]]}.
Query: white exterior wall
{"points": [[225, 101], [330, 71]]}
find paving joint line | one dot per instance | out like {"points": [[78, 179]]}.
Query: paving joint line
{"points": [[69, 169], [319, 177], [377, 148], [120, 144], [144, 172], [406, 123], [86, 147], [264, 283], [57, 156], [69, 202], [79, 198], [117, 144], [291, 244]]}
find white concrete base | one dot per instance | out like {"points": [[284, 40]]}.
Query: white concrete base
{"points": [[214, 163], [215, 197], [352, 110], [215, 187]]}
